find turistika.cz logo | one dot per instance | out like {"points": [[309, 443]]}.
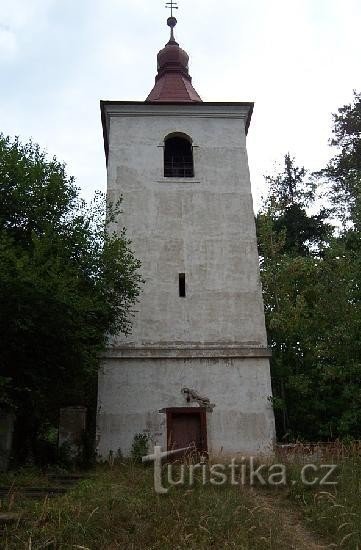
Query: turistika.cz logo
{"points": [[238, 472]]}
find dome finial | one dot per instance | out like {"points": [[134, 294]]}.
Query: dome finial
{"points": [[173, 83], [171, 21]]}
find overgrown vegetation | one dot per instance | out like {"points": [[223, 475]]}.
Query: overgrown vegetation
{"points": [[139, 447], [334, 513], [119, 509], [66, 282], [311, 274]]}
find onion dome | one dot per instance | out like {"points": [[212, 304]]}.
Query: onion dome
{"points": [[173, 83]]}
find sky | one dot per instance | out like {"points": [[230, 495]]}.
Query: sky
{"points": [[298, 60]]}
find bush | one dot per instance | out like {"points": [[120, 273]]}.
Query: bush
{"points": [[140, 447]]}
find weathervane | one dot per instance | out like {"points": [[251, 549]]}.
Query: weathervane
{"points": [[171, 21]]}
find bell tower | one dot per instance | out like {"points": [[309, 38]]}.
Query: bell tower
{"points": [[195, 370]]}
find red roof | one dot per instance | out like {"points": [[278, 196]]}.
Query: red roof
{"points": [[173, 82], [173, 87]]}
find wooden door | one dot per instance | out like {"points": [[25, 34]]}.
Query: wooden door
{"points": [[186, 427]]}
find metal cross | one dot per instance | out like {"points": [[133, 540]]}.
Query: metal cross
{"points": [[171, 6]]}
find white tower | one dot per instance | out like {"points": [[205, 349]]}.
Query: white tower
{"points": [[195, 369]]}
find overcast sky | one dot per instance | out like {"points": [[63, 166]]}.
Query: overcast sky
{"points": [[299, 60]]}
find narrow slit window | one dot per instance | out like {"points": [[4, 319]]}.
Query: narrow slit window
{"points": [[182, 285]]}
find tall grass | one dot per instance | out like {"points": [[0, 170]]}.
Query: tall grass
{"points": [[333, 512], [119, 509]]}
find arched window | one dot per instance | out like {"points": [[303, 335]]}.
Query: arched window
{"points": [[178, 157]]}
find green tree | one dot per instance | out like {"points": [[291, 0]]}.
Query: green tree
{"points": [[343, 172], [66, 284], [291, 191], [290, 289], [291, 241], [311, 284]]}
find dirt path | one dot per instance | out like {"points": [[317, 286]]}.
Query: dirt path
{"points": [[296, 533]]}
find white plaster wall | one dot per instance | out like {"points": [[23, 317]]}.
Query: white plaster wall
{"points": [[203, 227], [132, 392]]}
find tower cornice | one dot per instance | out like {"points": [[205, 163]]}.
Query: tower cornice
{"points": [[233, 109], [195, 351]]}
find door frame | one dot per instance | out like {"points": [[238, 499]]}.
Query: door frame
{"points": [[200, 411]]}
